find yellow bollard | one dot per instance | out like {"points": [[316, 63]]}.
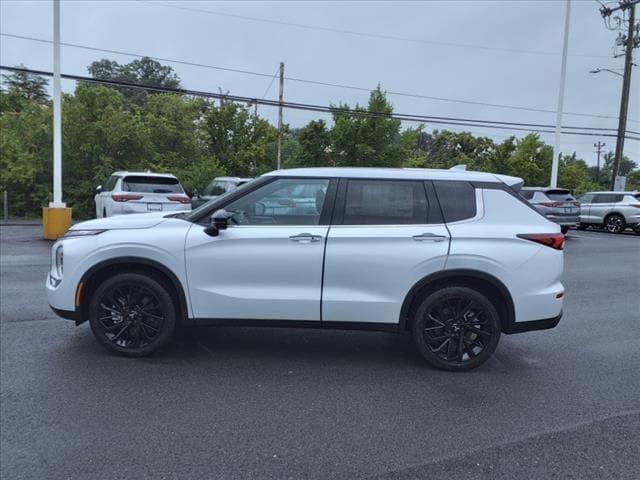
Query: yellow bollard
{"points": [[55, 221]]}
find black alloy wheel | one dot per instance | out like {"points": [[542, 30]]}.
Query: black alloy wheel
{"points": [[614, 223], [456, 328], [132, 314]]}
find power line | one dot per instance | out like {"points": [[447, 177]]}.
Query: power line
{"points": [[271, 83], [312, 82], [310, 107], [363, 34]]}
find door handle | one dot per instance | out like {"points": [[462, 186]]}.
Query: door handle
{"points": [[429, 236], [305, 238]]}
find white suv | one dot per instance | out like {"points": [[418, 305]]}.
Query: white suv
{"points": [[457, 258], [138, 192]]}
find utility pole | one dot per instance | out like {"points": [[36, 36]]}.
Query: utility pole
{"points": [[598, 147], [280, 105], [631, 41], [563, 76]]}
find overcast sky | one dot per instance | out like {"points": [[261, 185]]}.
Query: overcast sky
{"points": [[497, 52]]}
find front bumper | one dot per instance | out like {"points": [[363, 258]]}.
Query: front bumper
{"points": [[532, 325]]}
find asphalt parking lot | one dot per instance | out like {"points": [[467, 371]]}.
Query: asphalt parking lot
{"points": [[284, 403]]}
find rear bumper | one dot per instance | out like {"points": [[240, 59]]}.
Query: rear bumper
{"points": [[564, 220], [532, 325]]}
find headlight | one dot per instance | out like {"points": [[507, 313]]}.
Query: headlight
{"points": [[82, 233], [59, 261]]}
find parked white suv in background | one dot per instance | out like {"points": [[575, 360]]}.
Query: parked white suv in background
{"points": [[455, 257], [139, 192]]}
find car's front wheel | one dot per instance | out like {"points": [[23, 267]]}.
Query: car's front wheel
{"points": [[132, 314], [456, 328], [614, 223]]}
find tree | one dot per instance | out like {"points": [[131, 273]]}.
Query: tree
{"points": [[27, 85], [144, 71], [361, 139], [531, 160], [315, 145], [239, 140]]}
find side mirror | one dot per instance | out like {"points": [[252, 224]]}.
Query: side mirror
{"points": [[98, 189], [195, 193], [219, 221]]}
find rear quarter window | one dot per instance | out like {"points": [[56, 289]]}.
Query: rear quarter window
{"points": [[527, 194], [142, 184], [457, 200]]}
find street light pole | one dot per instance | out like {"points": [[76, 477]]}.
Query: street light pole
{"points": [[57, 118], [563, 75], [56, 218]]}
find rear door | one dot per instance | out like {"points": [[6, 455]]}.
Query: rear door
{"points": [[386, 236], [585, 207], [602, 204]]}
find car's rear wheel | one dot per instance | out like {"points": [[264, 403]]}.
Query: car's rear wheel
{"points": [[614, 223], [637, 229], [564, 230], [132, 314], [456, 328]]}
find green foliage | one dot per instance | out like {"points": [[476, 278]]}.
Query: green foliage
{"points": [[360, 140], [27, 85], [107, 129], [144, 71]]}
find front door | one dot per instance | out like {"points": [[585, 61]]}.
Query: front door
{"points": [[267, 265]]}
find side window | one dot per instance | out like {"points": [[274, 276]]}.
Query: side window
{"points": [[385, 202], [110, 184], [215, 188], [457, 200], [588, 198], [618, 198], [286, 201], [605, 198]]}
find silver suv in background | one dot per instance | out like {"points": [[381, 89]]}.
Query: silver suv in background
{"points": [[556, 204], [217, 187], [614, 211]]}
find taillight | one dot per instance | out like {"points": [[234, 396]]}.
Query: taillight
{"points": [[553, 240], [577, 204], [637, 205], [179, 198], [552, 204], [125, 197]]}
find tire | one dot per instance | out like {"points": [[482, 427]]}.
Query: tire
{"points": [[104, 213], [637, 229], [614, 223], [454, 317], [582, 226], [132, 314], [564, 230]]}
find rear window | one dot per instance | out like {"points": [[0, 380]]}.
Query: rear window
{"points": [[560, 195], [457, 199], [151, 185], [637, 196], [527, 194]]}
